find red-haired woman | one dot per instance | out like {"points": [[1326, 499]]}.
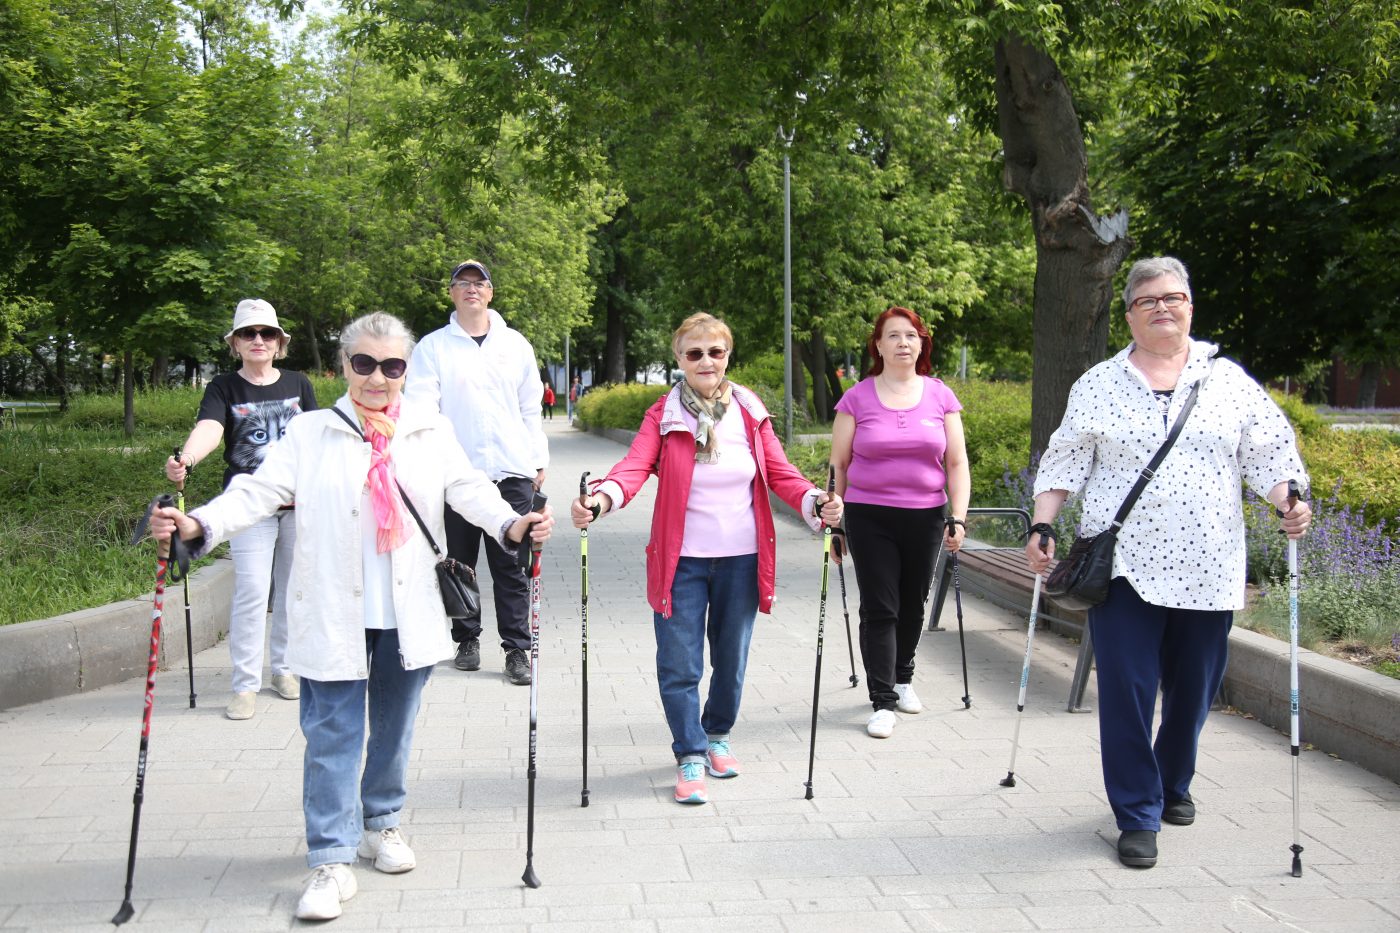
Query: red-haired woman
{"points": [[901, 468]]}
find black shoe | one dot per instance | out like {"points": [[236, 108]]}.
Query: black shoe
{"points": [[1180, 812], [1137, 848], [468, 655], [518, 666]]}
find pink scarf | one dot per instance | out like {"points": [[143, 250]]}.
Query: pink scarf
{"points": [[379, 426]]}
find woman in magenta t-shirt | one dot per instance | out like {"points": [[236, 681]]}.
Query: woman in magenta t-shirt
{"points": [[901, 468]]}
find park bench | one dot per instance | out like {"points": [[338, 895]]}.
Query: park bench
{"points": [[8, 408], [993, 565]]}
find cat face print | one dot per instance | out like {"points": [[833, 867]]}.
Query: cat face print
{"points": [[256, 427]]}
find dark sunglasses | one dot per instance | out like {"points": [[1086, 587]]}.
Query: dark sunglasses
{"points": [[715, 353], [364, 364], [268, 334]]}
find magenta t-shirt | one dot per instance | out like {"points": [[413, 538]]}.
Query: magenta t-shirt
{"points": [[897, 454]]}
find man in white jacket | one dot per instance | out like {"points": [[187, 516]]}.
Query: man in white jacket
{"points": [[483, 376]]}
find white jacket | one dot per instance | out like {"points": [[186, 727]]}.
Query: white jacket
{"points": [[491, 393], [321, 464]]}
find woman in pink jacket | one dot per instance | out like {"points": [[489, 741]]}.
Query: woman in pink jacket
{"points": [[711, 445]]}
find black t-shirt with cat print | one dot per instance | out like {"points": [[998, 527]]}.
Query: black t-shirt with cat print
{"points": [[254, 417]]}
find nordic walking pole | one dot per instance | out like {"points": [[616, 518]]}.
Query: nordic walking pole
{"points": [[839, 547], [821, 628], [189, 628], [1010, 779], [1297, 847], [957, 601], [583, 613], [126, 911], [530, 878]]}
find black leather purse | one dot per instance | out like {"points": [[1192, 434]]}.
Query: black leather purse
{"points": [[461, 596], [1080, 581]]}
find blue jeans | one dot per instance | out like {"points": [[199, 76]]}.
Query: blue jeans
{"points": [[1137, 647], [262, 564], [333, 721], [728, 588]]}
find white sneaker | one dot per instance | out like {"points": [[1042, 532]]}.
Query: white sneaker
{"points": [[287, 686], [326, 889], [908, 701], [388, 849], [242, 706], [881, 723]]}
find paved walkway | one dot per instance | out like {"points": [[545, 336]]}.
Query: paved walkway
{"points": [[910, 833]]}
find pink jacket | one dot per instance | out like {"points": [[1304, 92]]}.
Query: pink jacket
{"points": [[665, 446]]}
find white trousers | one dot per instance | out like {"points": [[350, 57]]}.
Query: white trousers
{"points": [[262, 564]]}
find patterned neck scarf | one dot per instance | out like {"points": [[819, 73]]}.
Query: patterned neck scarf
{"points": [[708, 412], [379, 426]]}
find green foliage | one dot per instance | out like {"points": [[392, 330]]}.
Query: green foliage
{"points": [[1333, 611], [997, 421], [617, 406], [1361, 465]]}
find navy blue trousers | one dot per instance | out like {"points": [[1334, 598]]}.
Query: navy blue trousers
{"points": [[1138, 647]]}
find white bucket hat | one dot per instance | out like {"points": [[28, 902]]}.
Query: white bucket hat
{"points": [[255, 312]]}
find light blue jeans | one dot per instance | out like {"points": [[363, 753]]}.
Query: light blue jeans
{"points": [[262, 564], [726, 587], [333, 722]]}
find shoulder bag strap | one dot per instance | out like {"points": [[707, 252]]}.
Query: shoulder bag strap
{"points": [[403, 495], [1150, 470]]}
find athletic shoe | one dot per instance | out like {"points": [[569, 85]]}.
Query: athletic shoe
{"points": [[388, 849], [468, 655], [719, 762], [1137, 848], [690, 782], [518, 666], [287, 686], [881, 723], [908, 701], [1180, 812], [242, 706], [328, 887]]}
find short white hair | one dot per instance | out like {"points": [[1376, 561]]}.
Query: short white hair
{"points": [[1144, 270], [377, 325]]}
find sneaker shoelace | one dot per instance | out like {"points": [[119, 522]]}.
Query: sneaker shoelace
{"points": [[720, 748], [692, 770], [323, 877]]}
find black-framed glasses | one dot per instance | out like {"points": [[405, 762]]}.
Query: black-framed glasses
{"points": [[1172, 300], [694, 354], [268, 334], [363, 364], [472, 284]]}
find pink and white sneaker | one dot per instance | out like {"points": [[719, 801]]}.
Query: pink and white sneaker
{"points": [[719, 762], [690, 782]]}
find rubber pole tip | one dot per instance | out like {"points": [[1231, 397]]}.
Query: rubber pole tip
{"points": [[124, 913], [967, 702], [583, 801], [1009, 780], [855, 681], [808, 795], [531, 879]]}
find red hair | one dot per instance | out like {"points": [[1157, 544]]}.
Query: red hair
{"points": [[923, 365]]}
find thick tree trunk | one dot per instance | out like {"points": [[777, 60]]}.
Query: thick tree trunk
{"points": [[799, 380], [313, 343], [1077, 251], [817, 364], [160, 371], [1368, 381], [615, 347]]}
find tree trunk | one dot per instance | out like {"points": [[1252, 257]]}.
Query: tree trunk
{"points": [[799, 380], [817, 364], [1368, 380], [160, 371], [1077, 251], [128, 393], [309, 323], [615, 347]]}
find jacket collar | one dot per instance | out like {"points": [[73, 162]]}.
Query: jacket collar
{"points": [[412, 417], [497, 325], [1198, 362], [674, 416]]}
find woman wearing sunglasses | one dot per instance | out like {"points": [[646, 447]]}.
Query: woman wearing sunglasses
{"points": [[711, 558], [248, 411], [366, 616]]}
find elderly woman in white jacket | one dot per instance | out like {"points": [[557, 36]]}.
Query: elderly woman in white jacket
{"points": [[365, 616]]}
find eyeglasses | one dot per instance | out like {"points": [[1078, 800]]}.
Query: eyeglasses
{"points": [[694, 354], [268, 334], [468, 285], [1172, 300], [363, 364]]}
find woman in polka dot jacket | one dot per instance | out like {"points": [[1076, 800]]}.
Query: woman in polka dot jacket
{"points": [[1179, 568]]}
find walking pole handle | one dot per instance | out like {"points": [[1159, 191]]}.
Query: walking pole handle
{"points": [[583, 494], [537, 505], [188, 470]]}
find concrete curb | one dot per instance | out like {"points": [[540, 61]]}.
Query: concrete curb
{"points": [[92, 648]]}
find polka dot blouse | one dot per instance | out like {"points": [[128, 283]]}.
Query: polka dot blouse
{"points": [[1182, 545]]}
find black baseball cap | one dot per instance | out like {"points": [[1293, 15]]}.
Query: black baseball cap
{"points": [[469, 264]]}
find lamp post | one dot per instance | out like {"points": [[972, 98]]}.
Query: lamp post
{"points": [[786, 139]]}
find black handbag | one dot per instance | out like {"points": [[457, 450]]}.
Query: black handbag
{"points": [[461, 596], [1080, 581]]}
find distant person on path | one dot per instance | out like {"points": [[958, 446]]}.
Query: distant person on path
{"points": [[711, 559], [549, 401], [367, 618], [482, 375], [575, 392], [901, 466], [248, 412], [1179, 566]]}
